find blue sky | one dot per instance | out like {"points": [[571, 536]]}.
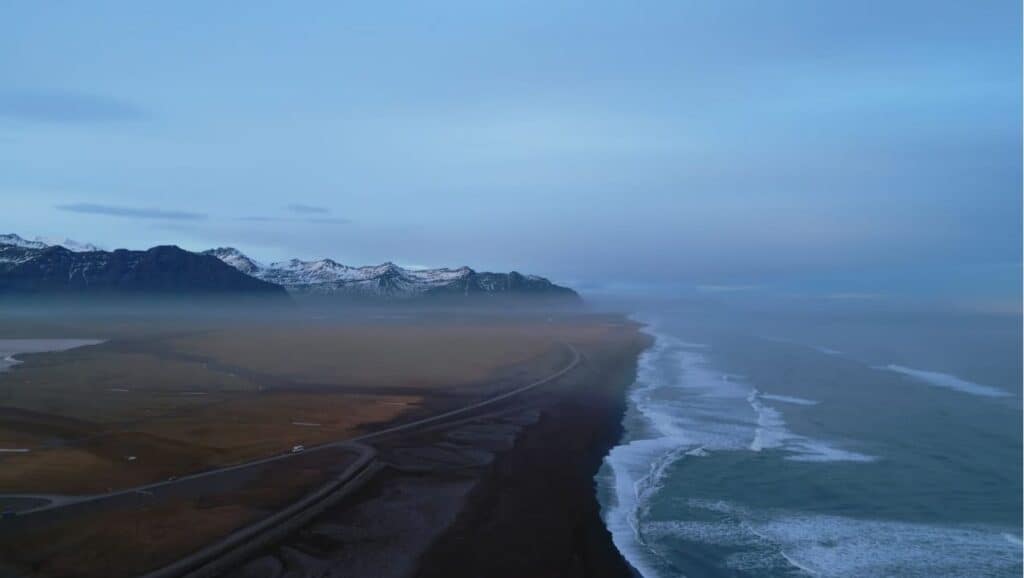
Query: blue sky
{"points": [[833, 148]]}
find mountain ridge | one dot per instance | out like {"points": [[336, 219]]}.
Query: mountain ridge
{"points": [[326, 277], [44, 242], [39, 267], [163, 270]]}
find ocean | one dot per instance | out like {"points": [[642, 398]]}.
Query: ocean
{"points": [[863, 443]]}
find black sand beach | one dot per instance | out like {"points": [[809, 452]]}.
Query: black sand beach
{"points": [[491, 475], [508, 492]]}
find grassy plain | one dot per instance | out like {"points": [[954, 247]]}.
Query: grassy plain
{"points": [[145, 533], [164, 398], [161, 399]]}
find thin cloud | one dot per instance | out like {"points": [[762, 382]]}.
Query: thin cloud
{"points": [[67, 107], [327, 220], [261, 219], [311, 220], [130, 212], [307, 209]]}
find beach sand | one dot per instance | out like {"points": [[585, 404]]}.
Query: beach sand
{"points": [[506, 493]]}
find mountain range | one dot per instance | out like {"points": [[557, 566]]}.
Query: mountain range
{"points": [[33, 268], [389, 281], [44, 242], [39, 266]]}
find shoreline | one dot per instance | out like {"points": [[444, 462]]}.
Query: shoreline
{"points": [[493, 479], [530, 432], [509, 492], [537, 511], [12, 348]]}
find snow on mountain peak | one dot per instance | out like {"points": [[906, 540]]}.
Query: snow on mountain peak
{"points": [[44, 242], [322, 276], [327, 275], [387, 280], [236, 259], [18, 241], [69, 244]]}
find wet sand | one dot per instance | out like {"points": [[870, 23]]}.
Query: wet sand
{"points": [[535, 513]]}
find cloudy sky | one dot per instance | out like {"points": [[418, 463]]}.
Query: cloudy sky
{"points": [[845, 148]]}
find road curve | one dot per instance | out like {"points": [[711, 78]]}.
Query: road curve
{"points": [[60, 501], [253, 536]]}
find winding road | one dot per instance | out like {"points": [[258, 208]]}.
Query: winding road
{"points": [[32, 504]]}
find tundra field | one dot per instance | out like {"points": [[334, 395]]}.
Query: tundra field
{"points": [[160, 399]]}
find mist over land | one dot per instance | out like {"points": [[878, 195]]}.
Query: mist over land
{"points": [[867, 148], [463, 289], [198, 408]]}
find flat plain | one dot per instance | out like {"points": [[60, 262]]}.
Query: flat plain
{"points": [[163, 398]]}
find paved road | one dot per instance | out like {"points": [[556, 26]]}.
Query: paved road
{"points": [[213, 558], [40, 503]]}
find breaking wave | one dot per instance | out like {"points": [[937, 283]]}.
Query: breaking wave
{"points": [[679, 408]]}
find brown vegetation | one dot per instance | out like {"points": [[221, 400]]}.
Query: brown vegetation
{"points": [[145, 406], [163, 401]]}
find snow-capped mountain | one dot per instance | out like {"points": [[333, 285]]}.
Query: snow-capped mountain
{"points": [[69, 244], [34, 268], [328, 277], [15, 249], [38, 266], [43, 242], [16, 241]]}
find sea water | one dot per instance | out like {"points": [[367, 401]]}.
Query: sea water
{"points": [[9, 348], [867, 445]]}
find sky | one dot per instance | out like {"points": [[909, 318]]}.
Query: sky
{"points": [[847, 150]]}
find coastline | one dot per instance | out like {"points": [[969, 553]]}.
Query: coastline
{"points": [[10, 349], [536, 512], [510, 492], [503, 468]]}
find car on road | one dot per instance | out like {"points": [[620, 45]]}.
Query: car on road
{"points": [[298, 448]]}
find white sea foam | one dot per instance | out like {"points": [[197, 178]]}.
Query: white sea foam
{"points": [[771, 429], [808, 450], [622, 517], [824, 545], [947, 381], [788, 399], [771, 433], [632, 464], [680, 407]]}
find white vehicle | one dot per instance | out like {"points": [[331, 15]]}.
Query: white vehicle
{"points": [[298, 448]]}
